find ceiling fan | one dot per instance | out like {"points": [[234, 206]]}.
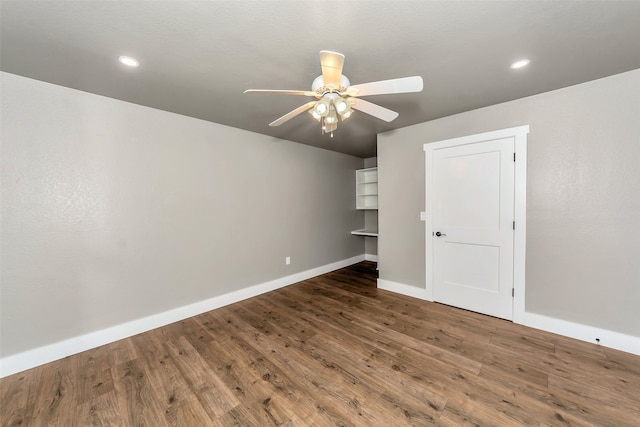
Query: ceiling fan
{"points": [[335, 97]]}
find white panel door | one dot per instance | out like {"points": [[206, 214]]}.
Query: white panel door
{"points": [[472, 226]]}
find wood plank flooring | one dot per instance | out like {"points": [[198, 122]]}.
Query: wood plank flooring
{"points": [[332, 351]]}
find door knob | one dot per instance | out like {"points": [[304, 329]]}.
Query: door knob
{"points": [[440, 234]]}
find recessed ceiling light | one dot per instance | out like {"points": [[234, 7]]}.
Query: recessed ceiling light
{"points": [[520, 64], [129, 61]]}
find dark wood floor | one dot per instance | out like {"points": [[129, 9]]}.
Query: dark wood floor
{"points": [[333, 350]]}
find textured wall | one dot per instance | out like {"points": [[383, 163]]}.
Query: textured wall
{"points": [[583, 198], [112, 211]]}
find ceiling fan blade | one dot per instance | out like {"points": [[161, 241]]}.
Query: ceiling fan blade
{"points": [[331, 63], [282, 92], [402, 85], [292, 114], [374, 109]]}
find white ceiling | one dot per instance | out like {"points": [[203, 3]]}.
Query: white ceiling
{"points": [[197, 57]]}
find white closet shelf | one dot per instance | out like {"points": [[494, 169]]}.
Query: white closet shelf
{"points": [[367, 189], [365, 232]]}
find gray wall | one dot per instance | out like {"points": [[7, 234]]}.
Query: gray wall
{"points": [[113, 211], [583, 199]]}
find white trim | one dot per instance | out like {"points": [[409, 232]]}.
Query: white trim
{"points": [[38, 356], [428, 218], [581, 332], [370, 257], [520, 217], [519, 134], [479, 137], [586, 333], [403, 289]]}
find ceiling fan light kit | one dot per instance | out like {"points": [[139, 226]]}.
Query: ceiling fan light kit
{"points": [[343, 106], [337, 98], [322, 107]]}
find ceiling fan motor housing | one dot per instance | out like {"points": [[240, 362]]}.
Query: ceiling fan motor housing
{"points": [[318, 83]]}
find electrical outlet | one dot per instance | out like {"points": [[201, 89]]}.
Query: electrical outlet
{"points": [[287, 260]]}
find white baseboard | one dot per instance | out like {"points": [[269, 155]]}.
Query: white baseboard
{"points": [[403, 289], [39, 356], [370, 257], [611, 339]]}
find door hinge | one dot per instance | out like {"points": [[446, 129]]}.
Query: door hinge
{"points": [[514, 225], [514, 157], [513, 292]]}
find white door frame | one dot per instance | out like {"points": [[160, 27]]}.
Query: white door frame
{"points": [[519, 134]]}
